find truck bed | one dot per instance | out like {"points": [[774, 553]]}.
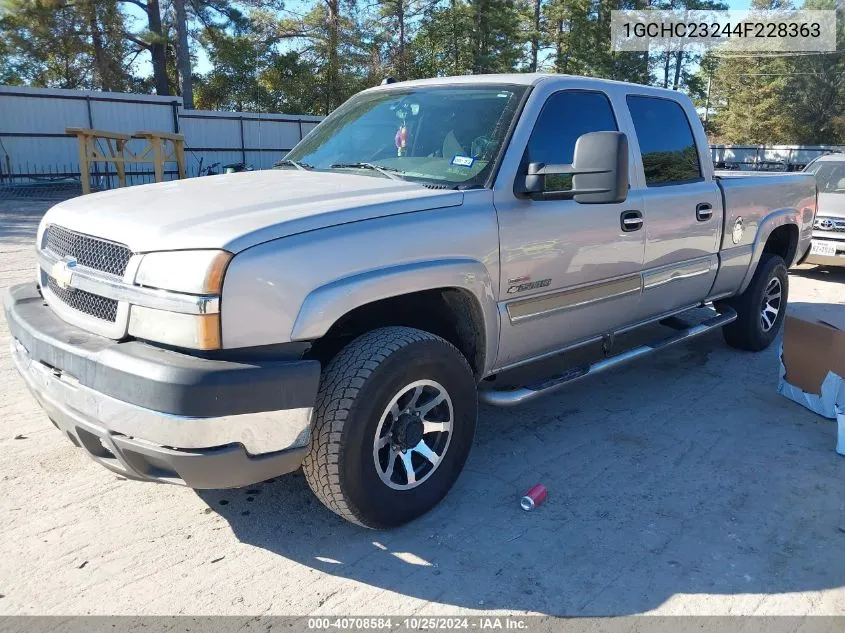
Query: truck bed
{"points": [[754, 197]]}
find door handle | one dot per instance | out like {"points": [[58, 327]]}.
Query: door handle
{"points": [[703, 211], [631, 221]]}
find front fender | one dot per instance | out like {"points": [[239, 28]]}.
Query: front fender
{"points": [[288, 287], [324, 306]]}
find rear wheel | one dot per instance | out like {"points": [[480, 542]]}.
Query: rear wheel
{"points": [[393, 426], [761, 308]]}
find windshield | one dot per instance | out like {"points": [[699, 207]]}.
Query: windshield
{"points": [[441, 135], [830, 175]]}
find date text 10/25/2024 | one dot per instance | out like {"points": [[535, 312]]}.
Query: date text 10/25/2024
{"points": [[418, 623]]}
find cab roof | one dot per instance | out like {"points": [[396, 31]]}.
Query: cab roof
{"points": [[832, 157], [521, 79]]}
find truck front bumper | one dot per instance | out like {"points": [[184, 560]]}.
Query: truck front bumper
{"points": [[833, 242], [158, 415]]}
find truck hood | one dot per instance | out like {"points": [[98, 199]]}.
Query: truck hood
{"points": [[831, 205], [236, 211]]}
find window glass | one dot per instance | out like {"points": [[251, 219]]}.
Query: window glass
{"points": [[830, 176], [448, 135], [666, 141], [565, 117]]}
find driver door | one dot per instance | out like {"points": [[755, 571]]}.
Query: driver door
{"points": [[569, 270]]}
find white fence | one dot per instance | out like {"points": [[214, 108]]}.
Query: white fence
{"points": [[35, 147], [769, 158]]}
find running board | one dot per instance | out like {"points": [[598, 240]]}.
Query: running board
{"points": [[520, 395]]}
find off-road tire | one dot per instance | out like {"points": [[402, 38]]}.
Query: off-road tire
{"points": [[747, 331], [356, 386]]}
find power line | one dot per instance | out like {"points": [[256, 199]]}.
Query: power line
{"points": [[773, 55], [785, 74]]}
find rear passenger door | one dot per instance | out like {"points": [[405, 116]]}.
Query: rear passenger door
{"points": [[683, 212]]}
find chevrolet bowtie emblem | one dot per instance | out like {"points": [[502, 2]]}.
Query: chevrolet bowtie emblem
{"points": [[62, 272]]}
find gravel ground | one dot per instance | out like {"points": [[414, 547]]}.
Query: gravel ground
{"points": [[682, 484]]}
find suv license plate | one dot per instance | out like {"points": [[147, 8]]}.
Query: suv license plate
{"points": [[823, 248]]}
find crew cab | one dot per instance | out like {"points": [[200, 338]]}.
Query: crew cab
{"points": [[346, 311]]}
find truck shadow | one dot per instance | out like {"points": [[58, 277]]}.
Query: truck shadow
{"points": [[820, 273], [683, 474]]}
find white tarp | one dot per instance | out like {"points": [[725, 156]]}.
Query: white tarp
{"points": [[829, 404]]}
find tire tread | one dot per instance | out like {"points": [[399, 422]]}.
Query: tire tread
{"points": [[744, 333]]}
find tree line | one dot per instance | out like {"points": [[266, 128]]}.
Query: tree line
{"points": [[308, 56]]}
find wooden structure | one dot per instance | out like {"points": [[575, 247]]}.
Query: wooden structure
{"points": [[111, 147]]}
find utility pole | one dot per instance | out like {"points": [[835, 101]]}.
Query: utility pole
{"points": [[707, 100]]}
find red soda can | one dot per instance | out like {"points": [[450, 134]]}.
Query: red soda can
{"points": [[534, 497]]}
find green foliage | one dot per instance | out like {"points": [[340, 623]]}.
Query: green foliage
{"points": [[247, 75], [816, 90], [442, 45], [469, 37], [782, 99], [62, 44]]}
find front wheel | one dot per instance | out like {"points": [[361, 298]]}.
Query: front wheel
{"points": [[393, 426], [761, 308]]}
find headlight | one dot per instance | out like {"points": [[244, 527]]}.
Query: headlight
{"points": [[197, 272]]}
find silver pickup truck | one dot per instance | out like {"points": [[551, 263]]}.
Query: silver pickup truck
{"points": [[346, 311]]}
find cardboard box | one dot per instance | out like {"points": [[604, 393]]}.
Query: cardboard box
{"points": [[812, 367]]}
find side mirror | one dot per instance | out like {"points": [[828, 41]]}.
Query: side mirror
{"points": [[599, 171]]}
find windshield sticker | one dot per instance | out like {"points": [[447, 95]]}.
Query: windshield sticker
{"points": [[462, 161]]}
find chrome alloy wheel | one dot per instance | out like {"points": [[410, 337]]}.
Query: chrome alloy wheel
{"points": [[771, 304], [413, 434]]}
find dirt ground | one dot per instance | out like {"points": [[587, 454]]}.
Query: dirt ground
{"points": [[683, 484]]}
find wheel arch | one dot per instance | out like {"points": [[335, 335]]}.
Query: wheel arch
{"points": [[779, 234], [451, 298], [783, 241]]}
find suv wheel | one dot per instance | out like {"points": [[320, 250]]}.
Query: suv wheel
{"points": [[393, 426], [761, 308]]}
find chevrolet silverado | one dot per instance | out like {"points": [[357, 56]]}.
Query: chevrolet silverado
{"points": [[346, 311]]}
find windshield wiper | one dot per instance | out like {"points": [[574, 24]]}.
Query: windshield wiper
{"points": [[390, 172], [288, 162]]}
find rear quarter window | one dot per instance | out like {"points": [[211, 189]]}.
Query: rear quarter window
{"points": [[666, 141]]}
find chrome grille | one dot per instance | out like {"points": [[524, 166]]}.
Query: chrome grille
{"points": [[836, 225], [91, 252], [85, 302]]}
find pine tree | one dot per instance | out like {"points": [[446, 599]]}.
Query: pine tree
{"points": [[58, 43]]}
